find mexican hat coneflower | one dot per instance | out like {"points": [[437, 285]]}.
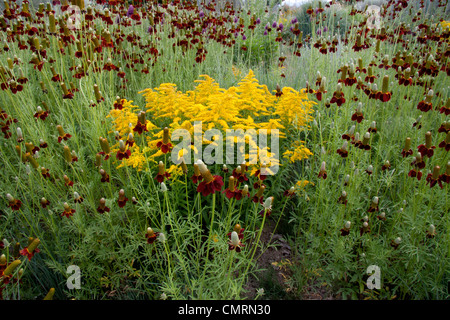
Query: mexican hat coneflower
{"points": [[338, 96], [235, 242], [196, 177], [373, 127], [343, 198], [13, 203], [267, 207], [384, 95], [162, 173], [289, 193], [350, 134], [164, 145], [445, 127], [433, 178], [386, 165], [323, 171], [67, 181], [141, 124], [32, 249], [445, 144], [365, 142], [69, 156], [258, 197], [407, 151], [102, 208], [431, 232], [445, 109], [77, 198], [98, 94], [259, 173], [374, 205], [346, 229], [343, 151], [231, 190], [369, 170], [445, 177], [104, 144], [426, 105], [68, 211], [358, 115], [123, 151], [427, 149], [151, 235], [44, 202], [62, 135], [122, 201], [418, 163], [239, 230], [104, 174], [66, 93], [365, 228], [40, 113], [6, 274], [396, 242], [382, 216], [240, 173], [211, 183]]}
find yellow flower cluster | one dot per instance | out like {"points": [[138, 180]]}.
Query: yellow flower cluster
{"points": [[249, 105], [299, 153], [445, 24]]}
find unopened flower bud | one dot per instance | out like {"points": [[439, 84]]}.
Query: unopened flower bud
{"points": [[19, 134], [162, 237], [268, 203], [235, 239], [245, 189], [122, 147], [428, 140], [431, 229], [347, 225]]}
